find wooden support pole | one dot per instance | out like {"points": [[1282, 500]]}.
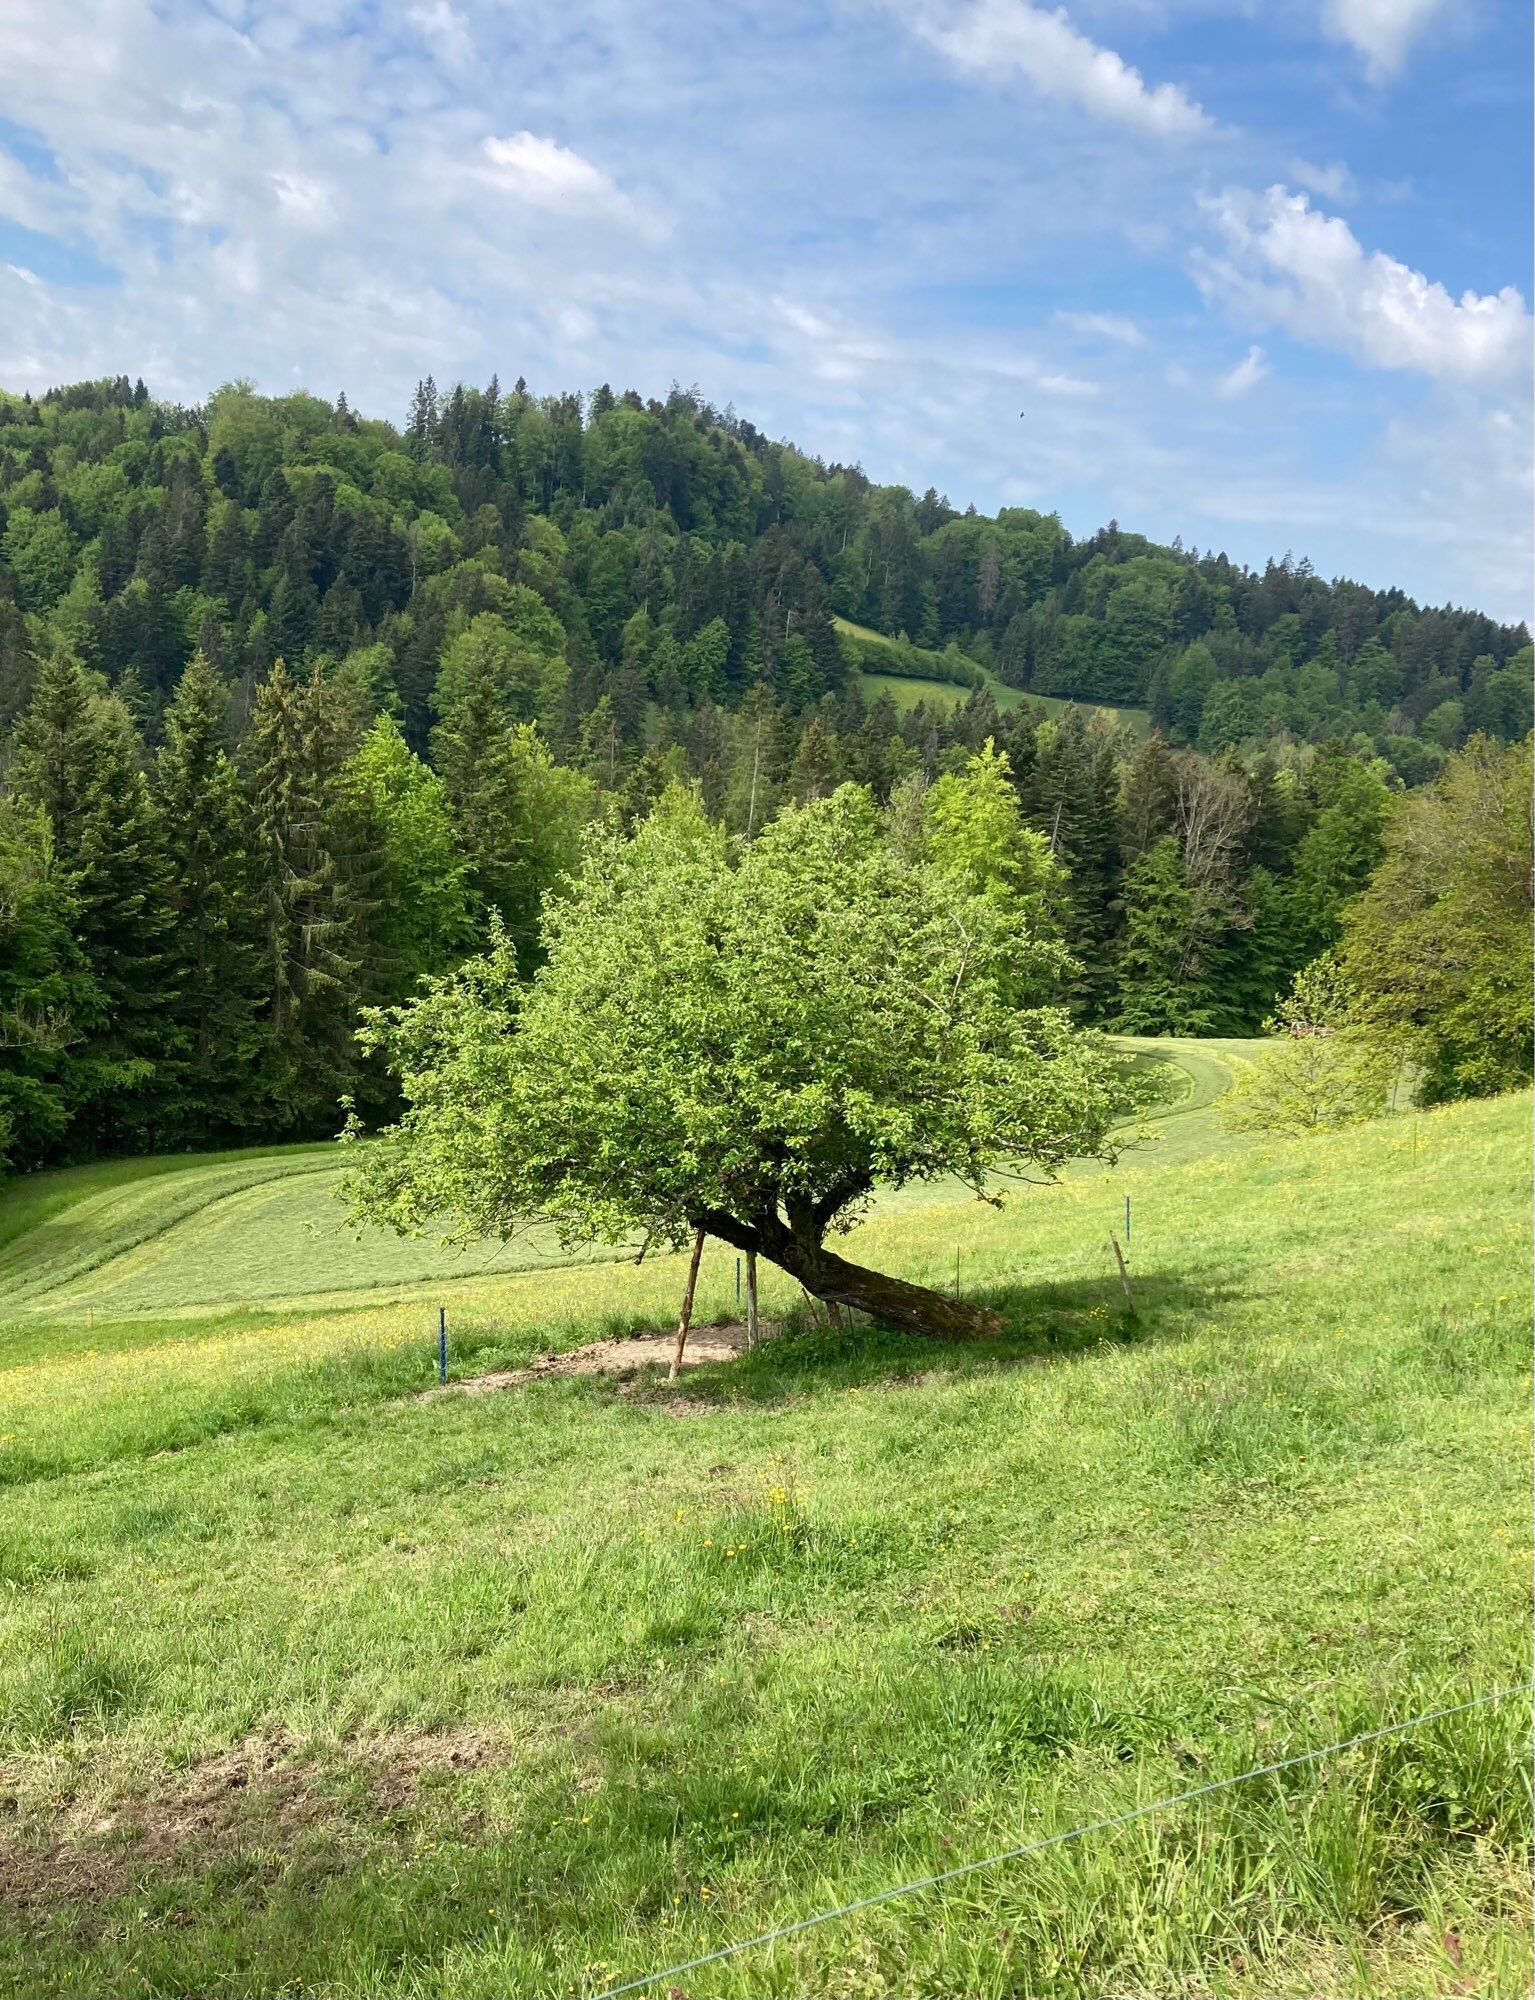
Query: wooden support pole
{"points": [[1124, 1275], [751, 1298], [685, 1319]]}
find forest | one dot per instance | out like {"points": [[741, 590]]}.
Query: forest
{"points": [[299, 707]]}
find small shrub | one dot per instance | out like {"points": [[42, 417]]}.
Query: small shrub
{"points": [[1325, 1072]]}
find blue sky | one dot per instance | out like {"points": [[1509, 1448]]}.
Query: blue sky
{"points": [[1258, 274]]}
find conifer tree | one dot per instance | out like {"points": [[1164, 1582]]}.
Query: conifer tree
{"points": [[213, 950], [48, 1000], [602, 749], [813, 774], [517, 813], [1149, 800], [1071, 797], [1160, 991], [419, 922], [80, 760], [309, 913]]}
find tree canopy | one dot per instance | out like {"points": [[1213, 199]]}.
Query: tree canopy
{"points": [[746, 1042], [1438, 947]]}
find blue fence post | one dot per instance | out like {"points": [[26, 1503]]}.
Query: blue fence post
{"points": [[1127, 1222], [738, 1281], [442, 1343]]}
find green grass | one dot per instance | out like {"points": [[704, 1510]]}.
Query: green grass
{"points": [[203, 1233], [213, 1231], [309, 1684], [869, 637], [906, 691]]}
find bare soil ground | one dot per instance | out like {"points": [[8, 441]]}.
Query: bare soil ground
{"points": [[257, 1798], [622, 1359]]}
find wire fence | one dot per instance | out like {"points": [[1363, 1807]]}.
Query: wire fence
{"points": [[1054, 1840]]}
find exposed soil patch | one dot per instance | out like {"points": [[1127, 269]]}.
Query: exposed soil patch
{"points": [[622, 1359], [253, 1796], [259, 1798], [402, 1766]]}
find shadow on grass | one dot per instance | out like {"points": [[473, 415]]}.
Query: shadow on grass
{"points": [[1041, 1324]]}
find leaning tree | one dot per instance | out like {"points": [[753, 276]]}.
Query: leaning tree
{"points": [[745, 1043]]}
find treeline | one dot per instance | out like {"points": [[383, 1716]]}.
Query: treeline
{"points": [[188, 934], [680, 555], [297, 707]]}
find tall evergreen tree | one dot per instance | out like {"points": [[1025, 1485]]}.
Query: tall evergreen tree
{"points": [[419, 921], [79, 758], [48, 1001], [1160, 988], [309, 914], [1071, 796], [214, 946]]}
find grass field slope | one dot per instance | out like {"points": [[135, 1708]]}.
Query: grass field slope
{"points": [[313, 1678], [906, 690], [199, 1234]]}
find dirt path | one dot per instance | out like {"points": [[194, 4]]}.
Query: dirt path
{"points": [[620, 1358]]}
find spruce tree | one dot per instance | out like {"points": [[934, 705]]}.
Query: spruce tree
{"points": [[79, 758], [214, 944], [471, 751], [518, 815], [419, 922], [1071, 796], [1148, 804], [309, 916], [1160, 992], [48, 1001], [813, 773]]}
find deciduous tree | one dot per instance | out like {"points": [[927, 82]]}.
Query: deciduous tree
{"points": [[747, 1046], [1438, 946]]}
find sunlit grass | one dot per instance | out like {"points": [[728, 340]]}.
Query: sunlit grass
{"points": [[205, 1234], [845, 1612]]}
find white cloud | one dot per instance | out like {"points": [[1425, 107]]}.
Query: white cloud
{"points": [[1334, 182], [997, 37], [872, 200], [544, 174], [831, 349], [1106, 326], [236, 268], [1247, 374], [304, 199], [1459, 479], [444, 30], [27, 277], [1381, 30], [1289, 266]]}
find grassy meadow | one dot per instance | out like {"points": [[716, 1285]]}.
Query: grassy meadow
{"points": [[310, 1681], [906, 690]]}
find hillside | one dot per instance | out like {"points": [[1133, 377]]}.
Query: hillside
{"points": [[683, 555], [315, 1682], [908, 675], [173, 1235], [297, 707]]}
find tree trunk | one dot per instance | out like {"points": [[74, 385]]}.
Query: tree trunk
{"points": [[796, 1247], [892, 1301]]}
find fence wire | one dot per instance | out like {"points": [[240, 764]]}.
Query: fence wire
{"points": [[1054, 1840]]}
